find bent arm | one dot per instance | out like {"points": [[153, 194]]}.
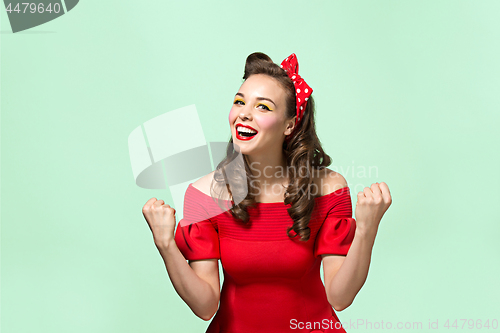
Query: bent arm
{"points": [[343, 286], [196, 283]]}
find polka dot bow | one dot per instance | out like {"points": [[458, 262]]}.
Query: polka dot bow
{"points": [[302, 89]]}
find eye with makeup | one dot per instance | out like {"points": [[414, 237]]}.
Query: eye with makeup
{"points": [[265, 107]]}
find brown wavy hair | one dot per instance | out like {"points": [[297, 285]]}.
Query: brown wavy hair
{"points": [[303, 151]]}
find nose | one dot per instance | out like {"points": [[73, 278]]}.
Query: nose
{"points": [[245, 113]]}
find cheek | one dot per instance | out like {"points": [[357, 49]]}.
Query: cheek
{"points": [[233, 114], [268, 123]]}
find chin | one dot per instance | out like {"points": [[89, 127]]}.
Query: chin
{"points": [[242, 148]]}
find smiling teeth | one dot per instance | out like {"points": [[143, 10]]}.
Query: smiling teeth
{"points": [[246, 130]]}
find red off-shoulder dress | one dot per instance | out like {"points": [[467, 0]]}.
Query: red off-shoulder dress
{"points": [[271, 283]]}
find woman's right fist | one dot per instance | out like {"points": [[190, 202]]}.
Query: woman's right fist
{"points": [[161, 220]]}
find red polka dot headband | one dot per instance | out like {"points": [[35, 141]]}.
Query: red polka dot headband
{"points": [[302, 89]]}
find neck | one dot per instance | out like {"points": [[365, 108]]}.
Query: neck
{"points": [[268, 169]]}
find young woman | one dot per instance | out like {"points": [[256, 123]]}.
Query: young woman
{"points": [[295, 214]]}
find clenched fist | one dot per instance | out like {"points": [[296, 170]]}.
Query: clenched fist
{"points": [[161, 221], [372, 203]]}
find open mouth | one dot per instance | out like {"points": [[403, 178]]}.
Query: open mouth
{"points": [[245, 133]]}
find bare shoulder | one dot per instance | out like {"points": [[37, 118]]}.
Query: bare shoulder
{"points": [[203, 184], [206, 185], [328, 181]]}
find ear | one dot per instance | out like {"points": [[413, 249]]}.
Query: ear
{"points": [[290, 126]]}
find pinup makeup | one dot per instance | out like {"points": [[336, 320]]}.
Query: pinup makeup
{"points": [[245, 132]]}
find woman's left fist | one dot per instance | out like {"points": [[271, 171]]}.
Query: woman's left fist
{"points": [[372, 203]]}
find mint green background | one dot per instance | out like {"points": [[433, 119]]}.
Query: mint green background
{"points": [[409, 88]]}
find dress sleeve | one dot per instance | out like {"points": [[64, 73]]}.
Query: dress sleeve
{"points": [[337, 232], [196, 236]]}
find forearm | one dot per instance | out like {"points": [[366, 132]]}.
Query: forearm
{"points": [[353, 272], [196, 292]]}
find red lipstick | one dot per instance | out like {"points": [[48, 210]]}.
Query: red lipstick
{"points": [[245, 137]]}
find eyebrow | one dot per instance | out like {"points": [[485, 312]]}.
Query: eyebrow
{"points": [[259, 98]]}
